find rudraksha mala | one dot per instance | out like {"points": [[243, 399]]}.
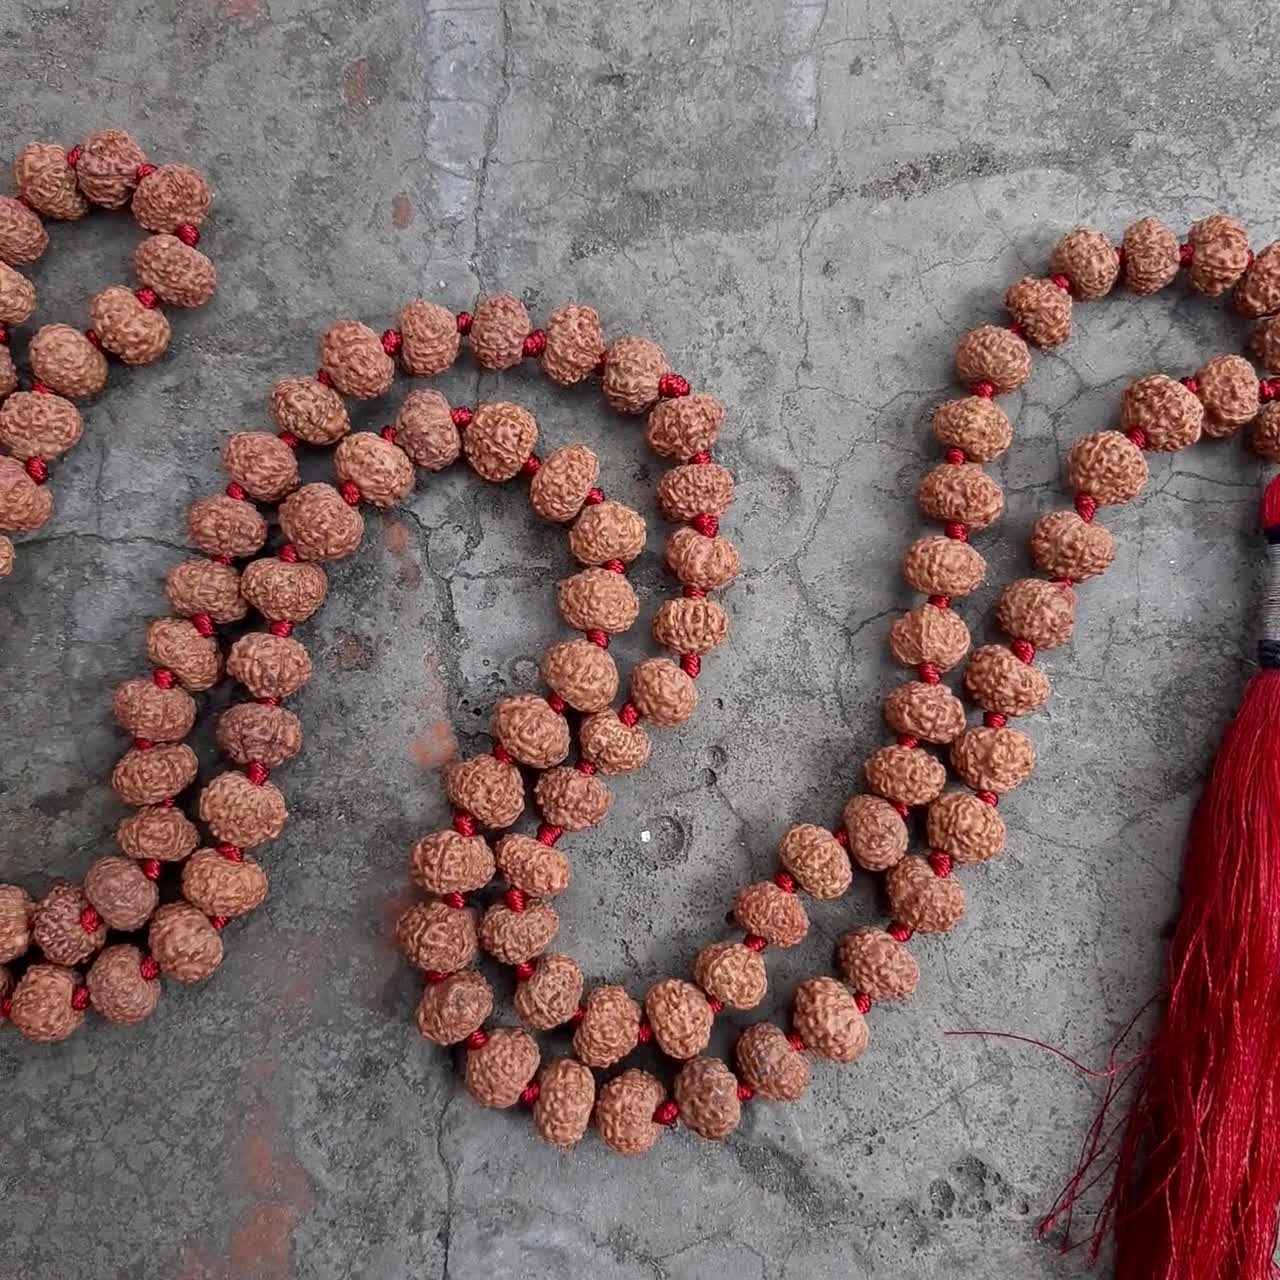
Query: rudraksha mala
{"points": [[171, 201], [503, 1065]]}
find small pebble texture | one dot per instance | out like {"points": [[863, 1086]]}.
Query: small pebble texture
{"points": [[806, 203]]}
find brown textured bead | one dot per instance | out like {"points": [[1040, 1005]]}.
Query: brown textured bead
{"points": [[47, 182], [921, 900], [571, 800], [566, 1097], [284, 591], [905, 775], [1107, 466], [1150, 256], [205, 586], [575, 343], [961, 491], [778, 917], [1064, 546], [516, 937], [17, 296], [66, 361], [451, 1009], [171, 196], [436, 937], [499, 439], [1264, 436], [241, 812], [225, 526], [319, 524], [1258, 292], [684, 492], [875, 963], [41, 1007], [184, 943], [144, 710], [877, 833], [38, 426], [22, 234], [930, 712], [262, 464], [23, 503], [633, 368], [425, 431], [941, 566], [975, 424], [732, 973], [181, 275], [1088, 259], [379, 469], [8, 373], [606, 531], [148, 777], [531, 731], [222, 887], [528, 864], [929, 634], [491, 791], [624, 1112], [447, 862], [993, 355], [108, 166], [769, 1064], [583, 674], [56, 926], [610, 1027], [997, 681], [7, 981], [496, 1073], [308, 409], [680, 1017], [967, 828], [134, 334], [1220, 254], [158, 832], [814, 857], [352, 355], [560, 485], [662, 692], [117, 989], [1228, 389], [499, 327], [598, 600], [15, 922], [611, 746], [1035, 610], [254, 731], [705, 563], [175, 643], [993, 759], [119, 892], [1264, 344], [706, 1092], [827, 1018], [429, 338], [1041, 310], [550, 996], [684, 426], [6, 557], [1167, 414], [690, 626]]}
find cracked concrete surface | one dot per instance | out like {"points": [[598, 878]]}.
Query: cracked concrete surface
{"points": [[806, 204]]}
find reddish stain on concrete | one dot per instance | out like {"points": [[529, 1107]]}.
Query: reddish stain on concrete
{"points": [[355, 86], [401, 211], [396, 535], [352, 652], [245, 11], [409, 576], [436, 747]]}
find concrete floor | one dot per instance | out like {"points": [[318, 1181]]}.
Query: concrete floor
{"points": [[805, 203]]}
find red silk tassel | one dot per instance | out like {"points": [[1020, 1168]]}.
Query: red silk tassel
{"points": [[1198, 1173]]}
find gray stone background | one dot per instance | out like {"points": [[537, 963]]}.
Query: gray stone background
{"points": [[806, 204]]}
